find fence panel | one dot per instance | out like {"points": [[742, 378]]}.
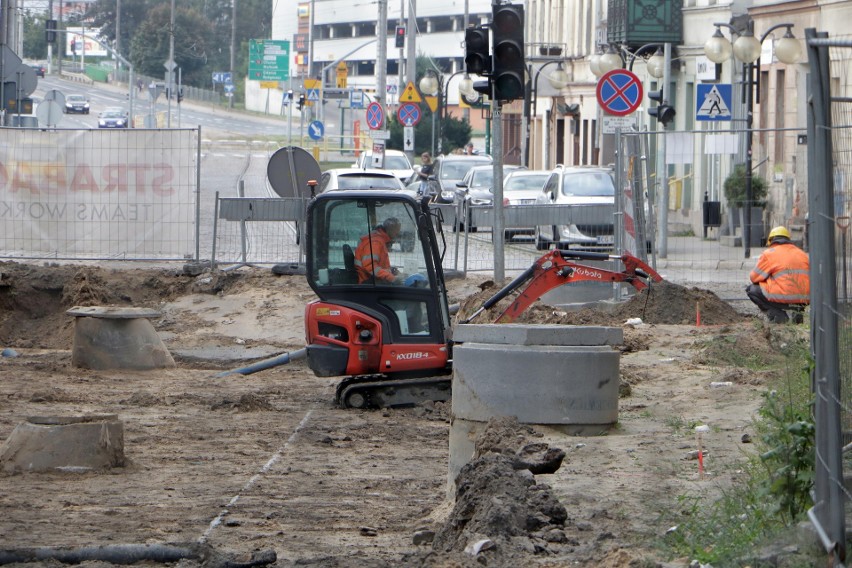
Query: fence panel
{"points": [[98, 194], [829, 160]]}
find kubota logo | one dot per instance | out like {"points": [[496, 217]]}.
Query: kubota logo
{"points": [[589, 273], [409, 356]]}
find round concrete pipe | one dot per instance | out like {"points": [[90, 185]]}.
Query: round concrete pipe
{"points": [[65, 443], [117, 338], [555, 375]]}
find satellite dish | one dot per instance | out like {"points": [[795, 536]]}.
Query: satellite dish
{"points": [[290, 169]]}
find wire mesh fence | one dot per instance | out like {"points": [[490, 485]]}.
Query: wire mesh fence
{"points": [[829, 160], [98, 194]]}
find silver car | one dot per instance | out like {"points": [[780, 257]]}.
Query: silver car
{"points": [[522, 187], [589, 222]]}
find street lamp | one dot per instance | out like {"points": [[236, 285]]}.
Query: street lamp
{"points": [[433, 84], [602, 63], [609, 61], [746, 49], [559, 79]]}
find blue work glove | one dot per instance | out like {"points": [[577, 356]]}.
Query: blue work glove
{"points": [[416, 280]]}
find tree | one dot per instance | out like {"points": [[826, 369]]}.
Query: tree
{"points": [[149, 48], [455, 133], [210, 47], [735, 188], [35, 44]]}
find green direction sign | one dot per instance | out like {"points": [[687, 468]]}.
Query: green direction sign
{"points": [[269, 60]]}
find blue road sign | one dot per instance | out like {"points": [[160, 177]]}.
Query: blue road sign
{"points": [[316, 130], [222, 77], [375, 116], [619, 92], [713, 102], [313, 95]]}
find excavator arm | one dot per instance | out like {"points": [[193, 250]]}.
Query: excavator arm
{"points": [[555, 269]]}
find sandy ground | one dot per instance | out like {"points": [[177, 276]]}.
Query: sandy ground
{"points": [[266, 463]]}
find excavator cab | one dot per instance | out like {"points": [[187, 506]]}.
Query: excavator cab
{"points": [[366, 322]]}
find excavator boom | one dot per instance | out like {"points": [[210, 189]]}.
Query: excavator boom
{"points": [[555, 269]]}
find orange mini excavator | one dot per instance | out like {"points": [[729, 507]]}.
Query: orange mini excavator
{"points": [[387, 329]]}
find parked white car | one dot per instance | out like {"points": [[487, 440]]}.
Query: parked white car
{"points": [[352, 178], [395, 161]]}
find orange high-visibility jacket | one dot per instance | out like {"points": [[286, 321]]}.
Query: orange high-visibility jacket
{"points": [[783, 274], [372, 259]]}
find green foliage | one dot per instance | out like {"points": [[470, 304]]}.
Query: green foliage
{"points": [[455, 133], [150, 47], [35, 44], [774, 492], [735, 187], [789, 457], [203, 30]]}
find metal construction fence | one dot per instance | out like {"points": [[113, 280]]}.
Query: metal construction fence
{"points": [[830, 154], [98, 194]]}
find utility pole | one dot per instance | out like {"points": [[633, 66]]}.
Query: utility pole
{"points": [[50, 45], [64, 40], [382, 58], [399, 67], [662, 169], [411, 57], [170, 67], [117, 35], [233, 46], [499, 223]]}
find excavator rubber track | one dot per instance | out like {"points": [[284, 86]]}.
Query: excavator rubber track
{"points": [[381, 391]]}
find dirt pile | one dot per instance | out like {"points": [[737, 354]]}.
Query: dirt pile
{"points": [[501, 509], [661, 303]]}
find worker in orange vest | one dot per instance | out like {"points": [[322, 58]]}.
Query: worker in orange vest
{"points": [[372, 260], [781, 279]]}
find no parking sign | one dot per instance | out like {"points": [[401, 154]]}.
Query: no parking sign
{"points": [[619, 92]]}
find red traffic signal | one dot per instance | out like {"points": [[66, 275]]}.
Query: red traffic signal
{"points": [[399, 38]]}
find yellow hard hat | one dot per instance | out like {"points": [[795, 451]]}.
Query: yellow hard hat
{"points": [[777, 232]]}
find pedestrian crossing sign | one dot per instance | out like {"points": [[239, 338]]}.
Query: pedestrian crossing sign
{"points": [[713, 102]]}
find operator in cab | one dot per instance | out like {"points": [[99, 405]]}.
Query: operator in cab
{"points": [[781, 279], [372, 258]]}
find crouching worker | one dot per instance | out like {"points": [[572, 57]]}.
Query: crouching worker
{"points": [[781, 279]]}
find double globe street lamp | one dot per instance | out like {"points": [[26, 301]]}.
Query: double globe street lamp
{"points": [[433, 84], [747, 48]]}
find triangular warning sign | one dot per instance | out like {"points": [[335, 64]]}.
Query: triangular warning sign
{"points": [[410, 94], [432, 102], [714, 104]]}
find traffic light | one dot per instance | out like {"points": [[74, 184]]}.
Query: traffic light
{"points": [[400, 37], [301, 102], [476, 58], [50, 31], [180, 95], [662, 112], [509, 65]]}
